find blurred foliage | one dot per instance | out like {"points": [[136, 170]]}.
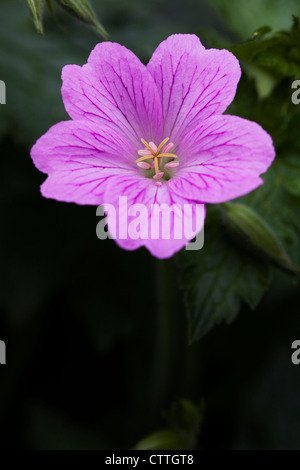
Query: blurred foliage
{"points": [[82, 9], [36, 7], [78, 317], [277, 53], [244, 16], [34, 103], [290, 174], [185, 420]]}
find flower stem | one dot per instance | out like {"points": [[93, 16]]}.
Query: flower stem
{"points": [[164, 341]]}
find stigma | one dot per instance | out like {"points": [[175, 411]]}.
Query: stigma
{"points": [[153, 157]]}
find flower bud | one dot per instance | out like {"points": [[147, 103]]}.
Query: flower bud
{"points": [[251, 230], [185, 420], [36, 8], [84, 11], [171, 439]]}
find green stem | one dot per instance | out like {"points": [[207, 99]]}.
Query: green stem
{"points": [[163, 354]]}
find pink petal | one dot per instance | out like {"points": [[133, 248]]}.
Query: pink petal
{"points": [[79, 158], [222, 159], [193, 83], [114, 88], [146, 193]]}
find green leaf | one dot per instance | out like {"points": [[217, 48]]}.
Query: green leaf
{"points": [[279, 53], [84, 11], [289, 170], [184, 415], [36, 7], [217, 279]]}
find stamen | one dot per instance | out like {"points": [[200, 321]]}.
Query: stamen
{"points": [[144, 165], [162, 144], [148, 146], [171, 165], [153, 146], [157, 176], [154, 153], [167, 155], [168, 147], [147, 157], [144, 152]]}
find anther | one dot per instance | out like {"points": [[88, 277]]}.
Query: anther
{"points": [[159, 175], [171, 165], [143, 165]]}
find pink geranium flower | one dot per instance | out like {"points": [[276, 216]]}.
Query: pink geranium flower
{"points": [[154, 133]]}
